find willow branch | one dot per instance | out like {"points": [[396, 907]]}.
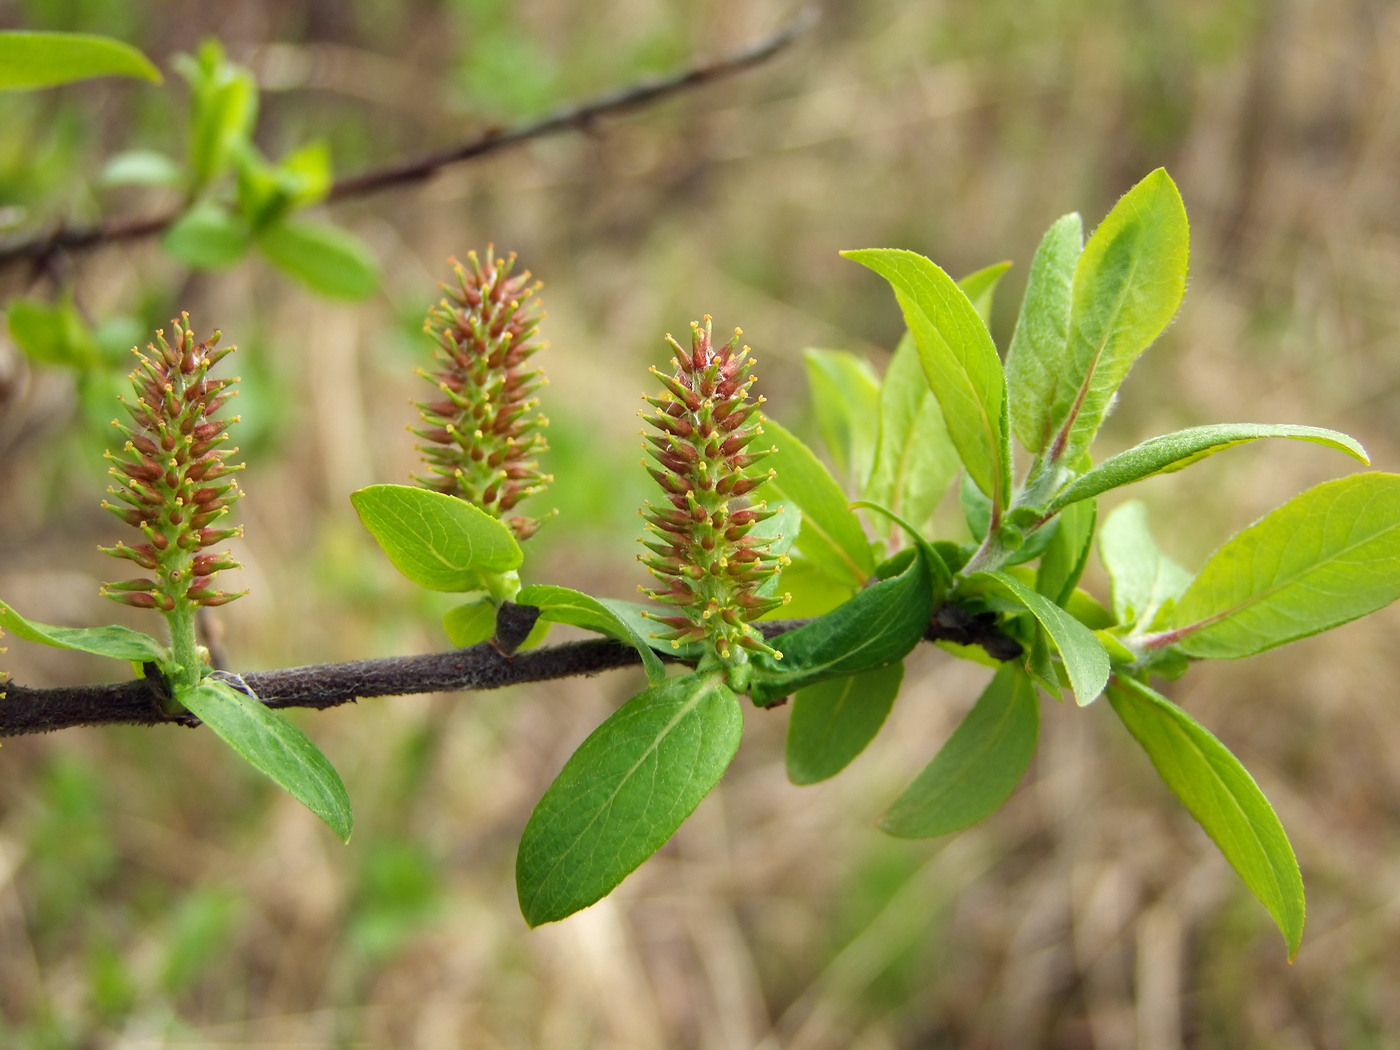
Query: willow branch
{"points": [[143, 702], [583, 116]]}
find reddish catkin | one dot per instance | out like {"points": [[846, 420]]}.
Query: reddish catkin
{"points": [[173, 483], [483, 435], [701, 545]]}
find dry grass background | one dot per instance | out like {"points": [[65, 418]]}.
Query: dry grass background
{"points": [[153, 894]]}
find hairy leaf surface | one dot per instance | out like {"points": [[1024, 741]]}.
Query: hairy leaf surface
{"points": [[980, 287], [915, 460], [960, 362], [846, 396], [1325, 557], [1222, 796], [832, 536], [1085, 660], [1172, 452], [1128, 284], [1143, 578], [1035, 361], [624, 792], [978, 768]]}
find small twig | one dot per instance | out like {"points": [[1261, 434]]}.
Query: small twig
{"points": [[25, 710], [581, 117]]}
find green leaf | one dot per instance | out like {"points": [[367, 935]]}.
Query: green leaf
{"points": [[120, 643], [1144, 579], [980, 286], [915, 460], [938, 568], [978, 768], [638, 619], [208, 237], [470, 624], [1323, 558], [40, 60], [562, 605], [54, 334], [1128, 284], [436, 540], [224, 99], [832, 722], [874, 629], [782, 530], [832, 536], [960, 362], [1222, 796], [273, 746], [846, 396], [1035, 361], [1065, 556], [1172, 452], [624, 792], [324, 258], [976, 508], [142, 167], [1083, 654]]}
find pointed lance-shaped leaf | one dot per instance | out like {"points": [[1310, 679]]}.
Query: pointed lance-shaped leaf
{"points": [[1143, 578], [1222, 796], [915, 460], [1035, 361], [980, 287], [1128, 283], [959, 359], [1326, 556], [1172, 452], [120, 643], [978, 768], [833, 722]]}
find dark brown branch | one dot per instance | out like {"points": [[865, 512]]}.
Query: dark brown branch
{"points": [[143, 702], [579, 117]]}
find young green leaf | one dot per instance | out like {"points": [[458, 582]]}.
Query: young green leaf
{"points": [[1083, 654], [915, 460], [324, 258], [938, 568], [976, 508], [1143, 578], [979, 766], [782, 529], [1035, 360], [1065, 556], [470, 624], [1325, 557], [1222, 796], [1128, 284], [832, 536], [960, 362], [980, 286], [436, 540], [273, 746], [846, 396], [208, 237], [624, 792], [832, 722], [562, 605], [54, 334], [40, 60], [120, 643], [875, 628], [1172, 452], [637, 618], [142, 167], [224, 98]]}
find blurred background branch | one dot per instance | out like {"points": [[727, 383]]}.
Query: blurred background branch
{"points": [[585, 116]]}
